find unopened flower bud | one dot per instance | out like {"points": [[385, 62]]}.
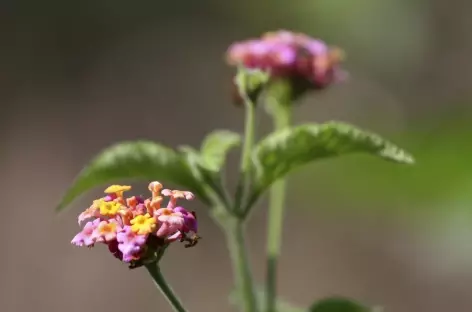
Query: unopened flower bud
{"points": [[306, 62]]}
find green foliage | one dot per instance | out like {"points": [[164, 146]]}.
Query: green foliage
{"points": [[209, 179], [133, 160], [288, 149], [443, 147], [338, 305], [215, 147], [193, 161]]}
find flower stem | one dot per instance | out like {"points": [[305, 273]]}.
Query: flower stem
{"points": [[245, 168], [281, 111], [241, 268], [166, 290], [233, 223]]}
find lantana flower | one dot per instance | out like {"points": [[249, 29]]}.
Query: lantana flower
{"points": [[137, 230], [306, 62]]}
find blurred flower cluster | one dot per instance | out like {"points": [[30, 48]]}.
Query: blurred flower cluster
{"points": [[308, 62], [137, 230]]}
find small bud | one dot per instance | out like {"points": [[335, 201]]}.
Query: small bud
{"points": [[249, 83], [155, 187]]}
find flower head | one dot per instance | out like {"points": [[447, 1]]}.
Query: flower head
{"points": [[137, 230], [307, 62]]}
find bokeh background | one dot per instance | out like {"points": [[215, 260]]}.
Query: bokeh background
{"points": [[78, 76]]}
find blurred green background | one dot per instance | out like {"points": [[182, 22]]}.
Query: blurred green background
{"points": [[77, 76]]}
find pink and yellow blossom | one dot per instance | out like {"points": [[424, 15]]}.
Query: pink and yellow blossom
{"points": [[135, 228]]}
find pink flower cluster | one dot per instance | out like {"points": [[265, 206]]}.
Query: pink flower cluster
{"points": [[134, 228], [290, 55]]}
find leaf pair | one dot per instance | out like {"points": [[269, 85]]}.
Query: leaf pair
{"points": [[273, 157]]}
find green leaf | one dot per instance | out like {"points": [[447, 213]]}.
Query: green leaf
{"points": [[288, 149], [215, 147], [133, 160], [193, 160], [207, 178], [281, 305], [338, 304]]}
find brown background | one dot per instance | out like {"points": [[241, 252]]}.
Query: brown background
{"points": [[77, 77]]}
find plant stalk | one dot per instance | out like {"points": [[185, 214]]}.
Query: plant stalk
{"points": [[245, 167], [233, 225], [166, 290], [234, 231], [281, 111]]}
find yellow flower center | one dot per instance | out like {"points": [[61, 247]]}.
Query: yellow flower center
{"points": [[109, 208], [166, 212], [143, 224], [107, 228]]}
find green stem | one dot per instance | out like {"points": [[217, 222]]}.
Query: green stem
{"points": [[233, 225], [234, 229], [249, 133], [245, 168], [166, 290], [282, 115]]}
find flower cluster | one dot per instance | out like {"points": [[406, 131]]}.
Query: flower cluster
{"points": [[135, 229], [290, 55]]}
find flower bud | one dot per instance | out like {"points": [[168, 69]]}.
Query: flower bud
{"points": [[308, 63]]}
